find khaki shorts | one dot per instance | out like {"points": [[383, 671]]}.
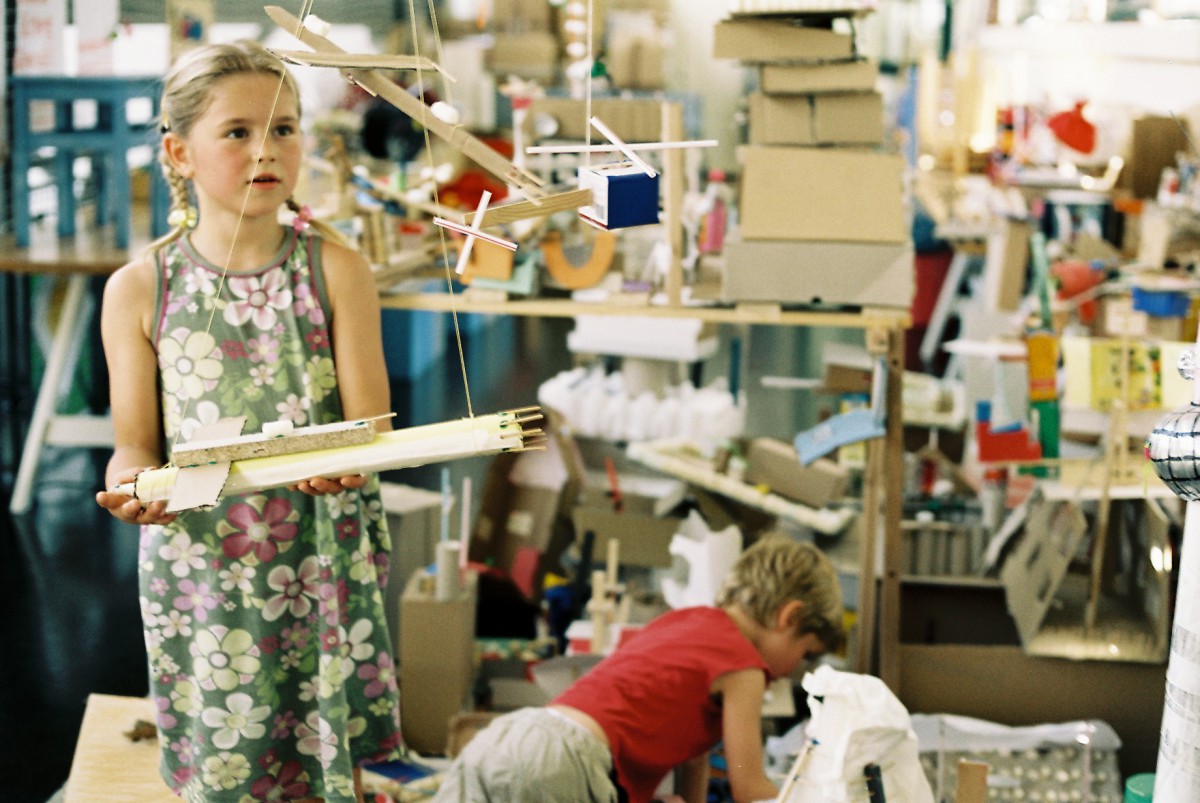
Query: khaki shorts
{"points": [[531, 755]]}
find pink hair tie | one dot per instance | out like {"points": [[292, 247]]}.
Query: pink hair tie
{"points": [[302, 218]]}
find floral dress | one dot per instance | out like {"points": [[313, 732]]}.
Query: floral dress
{"points": [[269, 655]]}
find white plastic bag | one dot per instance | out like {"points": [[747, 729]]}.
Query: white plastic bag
{"points": [[856, 721]]}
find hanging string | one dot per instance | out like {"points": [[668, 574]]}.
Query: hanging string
{"points": [[306, 9], [412, 16], [587, 90]]}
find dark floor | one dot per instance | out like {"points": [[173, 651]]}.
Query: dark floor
{"points": [[69, 620]]}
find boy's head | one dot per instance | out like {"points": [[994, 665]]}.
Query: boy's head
{"points": [[778, 569]]}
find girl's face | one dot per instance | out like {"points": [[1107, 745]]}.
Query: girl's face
{"points": [[243, 159]]}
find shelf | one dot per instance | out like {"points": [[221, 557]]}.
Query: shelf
{"points": [[767, 314]]}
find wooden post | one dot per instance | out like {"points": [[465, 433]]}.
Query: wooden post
{"points": [[893, 536], [672, 182]]}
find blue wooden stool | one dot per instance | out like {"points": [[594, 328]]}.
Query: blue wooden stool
{"points": [[107, 144]]}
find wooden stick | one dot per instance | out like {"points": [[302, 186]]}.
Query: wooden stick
{"points": [[381, 86]]}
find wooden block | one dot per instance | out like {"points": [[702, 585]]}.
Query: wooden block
{"points": [[110, 768], [972, 782]]}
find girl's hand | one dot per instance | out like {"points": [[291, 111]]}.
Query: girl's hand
{"points": [[322, 486], [128, 508]]}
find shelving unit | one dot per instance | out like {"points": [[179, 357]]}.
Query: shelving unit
{"points": [[883, 329]]}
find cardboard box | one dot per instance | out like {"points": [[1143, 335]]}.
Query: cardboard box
{"points": [[414, 523], [821, 194], [759, 40], [960, 654], [844, 118], [521, 15], [778, 271], [1002, 684], [775, 464], [1153, 143], [437, 660], [780, 119], [632, 119], [531, 55], [858, 75], [643, 540], [848, 118], [635, 62]]}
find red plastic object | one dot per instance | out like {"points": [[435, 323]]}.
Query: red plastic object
{"points": [[1073, 129]]}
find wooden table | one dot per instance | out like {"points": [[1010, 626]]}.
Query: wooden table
{"points": [[77, 261], [108, 766]]}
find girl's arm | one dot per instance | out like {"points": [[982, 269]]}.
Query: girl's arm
{"points": [[357, 348], [741, 726], [125, 328]]}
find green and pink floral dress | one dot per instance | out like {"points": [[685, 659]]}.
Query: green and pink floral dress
{"points": [[269, 654]]}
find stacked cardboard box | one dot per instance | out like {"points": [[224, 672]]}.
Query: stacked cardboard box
{"points": [[822, 210]]}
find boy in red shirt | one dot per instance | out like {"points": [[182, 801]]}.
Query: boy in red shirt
{"points": [[690, 678]]}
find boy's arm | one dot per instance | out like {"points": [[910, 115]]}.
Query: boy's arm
{"points": [[741, 725], [357, 341], [133, 389], [693, 780]]}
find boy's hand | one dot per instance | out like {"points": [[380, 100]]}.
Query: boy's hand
{"points": [[322, 486], [129, 509]]}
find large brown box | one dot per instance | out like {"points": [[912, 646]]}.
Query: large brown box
{"points": [[437, 657], [760, 40], [839, 118], [856, 75], [1153, 143], [822, 194], [783, 271], [775, 464]]}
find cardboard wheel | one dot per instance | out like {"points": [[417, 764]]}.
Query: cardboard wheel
{"points": [[579, 277]]}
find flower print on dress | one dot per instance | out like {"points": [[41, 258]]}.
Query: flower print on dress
{"points": [[380, 676], [237, 576], [258, 527], [308, 305], [258, 299], [183, 554], [164, 718], [283, 781], [320, 378], [225, 770], [189, 363], [223, 658], [207, 414], [297, 590], [316, 737], [294, 408], [264, 349], [197, 598], [240, 719]]}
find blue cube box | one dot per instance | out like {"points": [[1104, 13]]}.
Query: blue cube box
{"points": [[623, 195]]}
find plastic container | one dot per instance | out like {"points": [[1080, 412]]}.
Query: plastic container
{"points": [[1139, 788]]}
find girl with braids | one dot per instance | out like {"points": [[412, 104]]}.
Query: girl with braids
{"points": [[269, 656]]}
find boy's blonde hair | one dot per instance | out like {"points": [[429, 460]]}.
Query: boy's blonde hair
{"points": [[187, 94], [778, 569]]}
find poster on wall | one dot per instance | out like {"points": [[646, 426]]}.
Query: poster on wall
{"points": [[97, 31], [39, 37], [188, 22]]}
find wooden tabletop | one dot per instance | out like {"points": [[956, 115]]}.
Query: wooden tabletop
{"points": [[90, 250]]}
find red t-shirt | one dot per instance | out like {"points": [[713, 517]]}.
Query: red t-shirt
{"points": [[652, 695]]}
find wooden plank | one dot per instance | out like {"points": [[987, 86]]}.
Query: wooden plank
{"points": [[672, 195], [893, 537], [523, 210], [556, 308], [110, 768], [382, 86], [359, 61]]}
